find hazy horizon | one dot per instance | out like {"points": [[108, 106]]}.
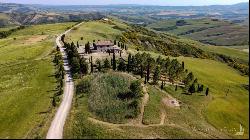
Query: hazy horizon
{"points": [[141, 2]]}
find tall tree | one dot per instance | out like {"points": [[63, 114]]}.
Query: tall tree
{"points": [[84, 66], [114, 61], [121, 66], [200, 89], [129, 63], [148, 71], [182, 65], [99, 65], [75, 65], [207, 90], [91, 65], [188, 79], [77, 44], [106, 64], [87, 48], [162, 85], [191, 89], [157, 74], [62, 38]]}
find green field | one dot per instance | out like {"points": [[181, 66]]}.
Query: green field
{"points": [[210, 31], [27, 81], [229, 51]]}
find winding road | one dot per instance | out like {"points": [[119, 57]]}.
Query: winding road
{"points": [[56, 127]]}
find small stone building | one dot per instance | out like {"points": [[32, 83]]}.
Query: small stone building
{"points": [[105, 46]]}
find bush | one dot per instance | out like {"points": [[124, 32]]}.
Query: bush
{"points": [[105, 97]]}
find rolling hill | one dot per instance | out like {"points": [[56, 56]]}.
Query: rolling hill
{"points": [[198, 117], [211, 31]]}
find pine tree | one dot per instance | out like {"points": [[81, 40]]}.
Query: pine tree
{"points": [[200, 89], [157, 74], [189, 78], [191, 88], [121, 66], [106, 64]]}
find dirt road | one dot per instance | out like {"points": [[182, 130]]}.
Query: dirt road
{"points": [[56, 127]]}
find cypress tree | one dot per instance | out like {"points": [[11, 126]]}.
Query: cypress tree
{"points": [[53, 101], [77, 44], [183, 65], [207, 90], [145, 79], [129, 63], [148, 72], [141, 71], [114, 61], [91, 65], [162, 85]]}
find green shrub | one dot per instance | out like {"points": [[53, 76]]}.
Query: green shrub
{"points": [[104, 100]]}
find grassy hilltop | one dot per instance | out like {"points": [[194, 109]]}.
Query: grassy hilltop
{"points": [[225, 108]]}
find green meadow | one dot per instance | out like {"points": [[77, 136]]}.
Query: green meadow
{"points": [[27, 81]]}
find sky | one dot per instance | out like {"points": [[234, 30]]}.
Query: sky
{"points": [[142, 2]]}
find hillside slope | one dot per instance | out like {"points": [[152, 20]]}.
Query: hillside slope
{"points": [[27, 81], [211, 31], [198, 116]]}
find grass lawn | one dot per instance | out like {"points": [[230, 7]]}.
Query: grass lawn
{"points": [[27, 81]]}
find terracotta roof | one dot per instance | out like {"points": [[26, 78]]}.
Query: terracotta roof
{"points": [[104, 43]]}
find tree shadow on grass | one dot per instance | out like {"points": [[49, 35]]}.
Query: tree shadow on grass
{"points": [[186, 93]]}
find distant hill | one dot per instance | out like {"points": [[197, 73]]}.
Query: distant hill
{"points": [[19, 14], [210, 31]]}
